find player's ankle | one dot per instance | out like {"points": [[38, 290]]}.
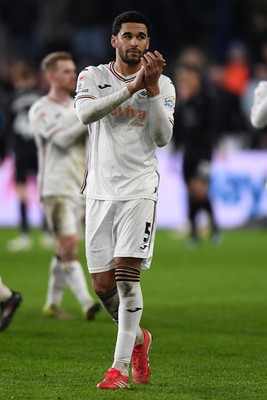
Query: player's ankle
{"points": [[139, 337], [124, 368]]}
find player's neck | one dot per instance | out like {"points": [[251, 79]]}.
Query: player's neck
{"points": [[59, 96], [126, 69]]}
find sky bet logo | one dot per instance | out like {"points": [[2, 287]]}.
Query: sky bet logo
{"points": [[233, 189]]}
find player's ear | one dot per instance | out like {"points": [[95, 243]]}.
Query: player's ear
{"points": [[148, 43], [114, 41], [49, 75]]}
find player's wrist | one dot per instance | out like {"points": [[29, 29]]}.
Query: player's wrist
{"points": [[152, 91], [131, 88]]}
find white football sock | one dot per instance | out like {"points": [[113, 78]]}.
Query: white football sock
{"points": [[56, 283], [130, 312], [5, 292], [75, 279]]}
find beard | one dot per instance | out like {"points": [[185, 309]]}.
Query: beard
{"points": [[130, 60]]}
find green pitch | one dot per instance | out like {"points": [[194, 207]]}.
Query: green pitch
{"points": [[206, 309]]}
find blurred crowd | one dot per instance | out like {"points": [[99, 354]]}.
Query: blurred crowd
{"points": [[225, 39]]}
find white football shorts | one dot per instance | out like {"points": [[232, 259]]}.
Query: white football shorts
{"points": [[119, 229], [64, 215]]}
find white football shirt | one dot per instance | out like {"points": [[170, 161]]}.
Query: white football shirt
{"points": [[122, 163], [60, 139], [258, 115]]}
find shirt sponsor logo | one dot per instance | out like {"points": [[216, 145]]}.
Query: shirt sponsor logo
{"points": [[138, 116]]}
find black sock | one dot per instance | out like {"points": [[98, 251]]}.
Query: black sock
{"points": [[193, 210], [206, 205], [23, 218]]}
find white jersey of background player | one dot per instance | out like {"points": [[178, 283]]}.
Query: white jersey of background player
{"points": [[135, 175], [61, 143], [60, 138], [258, 115], [129, 107]]}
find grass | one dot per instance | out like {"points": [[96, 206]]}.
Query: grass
{"points": [[205, 307]]}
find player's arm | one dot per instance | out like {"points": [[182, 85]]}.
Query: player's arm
{"points": [[65, 136], [161, 103], [161, 118], [258, 116], [90, 107], [53, 130]]}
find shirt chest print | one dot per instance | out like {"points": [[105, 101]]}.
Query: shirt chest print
{"points": [[135, 117]]}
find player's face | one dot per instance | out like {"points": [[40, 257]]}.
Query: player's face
{"points": [[188, 84], [131, 42], [64, 76]]}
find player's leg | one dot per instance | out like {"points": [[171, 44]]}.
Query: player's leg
{"points": [[74, 275], [199, 192], [193, 209], [56, 279], [56, 286], [189, 168], [67, 249], [215, 233], [5, 292], [203, 195], [23, 241], [105, 287], [120, 292], [127, 275], [134, 236], [99, 245], [9, 302]]}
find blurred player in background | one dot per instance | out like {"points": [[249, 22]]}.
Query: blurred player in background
{"points": [[24, 78], [61, 142], [2, 130], [258, 115], [195, 130], [9, 302], [129, 106]]}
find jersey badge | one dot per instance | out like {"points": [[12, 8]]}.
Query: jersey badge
{"points": [[169, 102], [80, 83]]}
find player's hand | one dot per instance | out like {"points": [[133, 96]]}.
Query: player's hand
{"points": [[153, 64], [154, 61], [138, 83]]}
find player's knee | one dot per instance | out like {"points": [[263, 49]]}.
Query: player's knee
{"points": [[68, 254], [68, 248], [103, 282]]}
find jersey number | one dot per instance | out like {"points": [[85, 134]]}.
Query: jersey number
{"points": [[146, 236]]}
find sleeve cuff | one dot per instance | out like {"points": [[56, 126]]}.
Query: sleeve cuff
{"points": [[154, 98]]}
